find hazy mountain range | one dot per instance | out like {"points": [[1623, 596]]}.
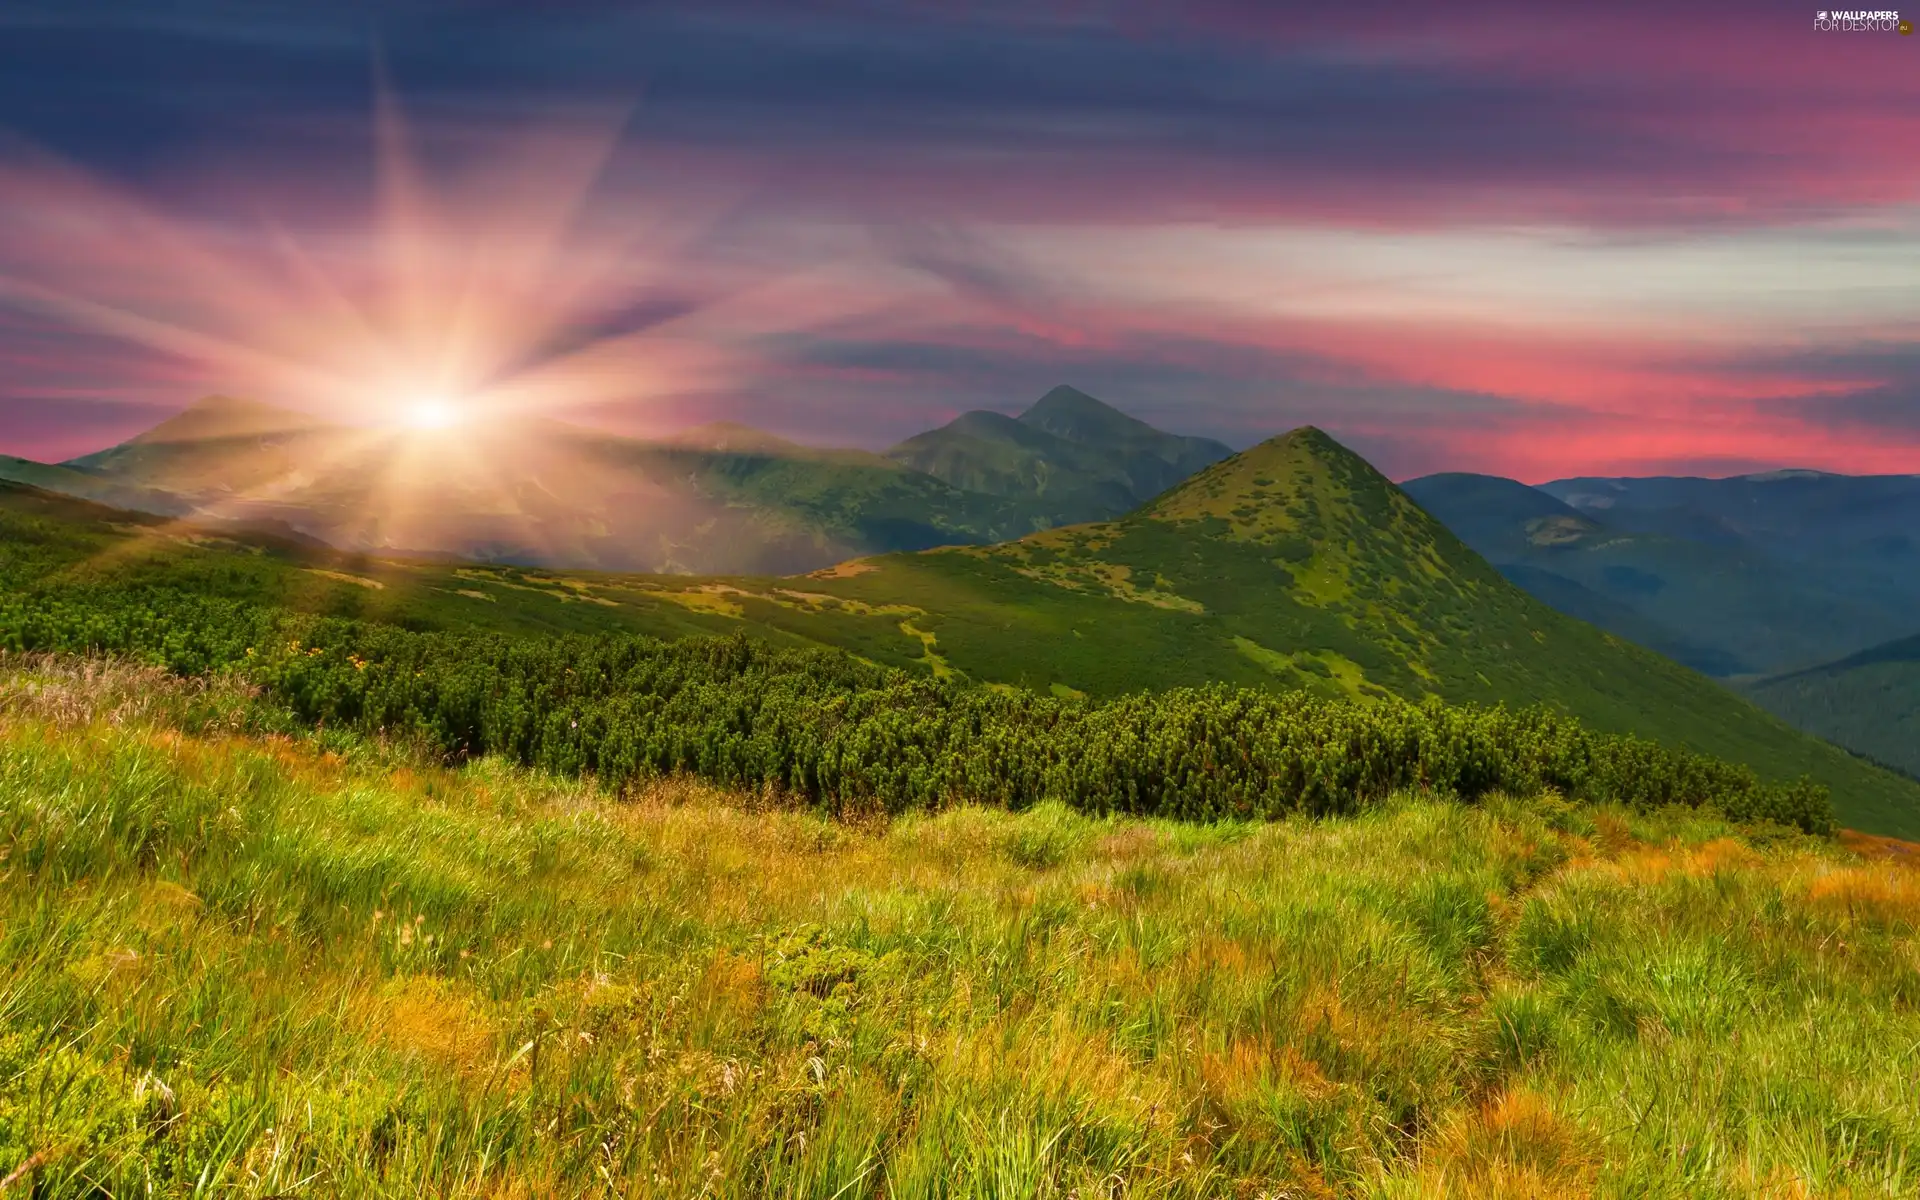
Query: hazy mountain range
{"points": [[1868, 702], [1801, 588], [1291, 565], [717, 499], [1748, 576], [1797, 586]]}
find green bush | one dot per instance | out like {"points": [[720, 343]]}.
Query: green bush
{"points": [[836, 731]]}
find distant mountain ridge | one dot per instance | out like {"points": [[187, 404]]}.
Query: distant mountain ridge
{"points": [[1752, 575], [1087, 459], [1868, 702], [719, 498], [1797, 511]]}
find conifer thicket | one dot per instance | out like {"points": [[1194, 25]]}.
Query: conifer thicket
{"points": [[834, 730]]}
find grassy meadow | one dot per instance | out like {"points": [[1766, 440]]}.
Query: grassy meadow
{"points": [[237, 959]]}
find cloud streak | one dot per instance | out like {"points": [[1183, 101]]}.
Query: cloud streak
{"points": [[1490, 236]]}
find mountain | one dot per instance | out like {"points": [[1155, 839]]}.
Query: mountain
{"points": [[1296, 564], [218, 448], [721, 498], [1868, 702], [1728, 595], [1084, 459], [1799, 513], [1503, 520], [1292, 565], [1854, 539], [1620, 618], [71, 482], [717, 499]]}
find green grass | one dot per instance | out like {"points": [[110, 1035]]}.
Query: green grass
{"points": [[235, 961]]}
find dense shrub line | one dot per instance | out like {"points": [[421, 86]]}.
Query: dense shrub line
{"points": [[841, 732]]}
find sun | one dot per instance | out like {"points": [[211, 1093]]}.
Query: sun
{"points": [[430, 413]]}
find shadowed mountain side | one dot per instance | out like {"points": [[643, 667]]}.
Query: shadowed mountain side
{"points": [[1855, 538], [1503, 520], [1619, 619], [1727, 600], [1868, 702]]}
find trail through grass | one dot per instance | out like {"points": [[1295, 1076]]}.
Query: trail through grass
{"points": [[234, 962]]}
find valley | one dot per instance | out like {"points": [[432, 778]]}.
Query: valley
{"points": [[1868, 702]]}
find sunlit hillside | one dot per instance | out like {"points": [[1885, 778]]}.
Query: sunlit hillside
{"points": [[239, 962], [1291, 567]]}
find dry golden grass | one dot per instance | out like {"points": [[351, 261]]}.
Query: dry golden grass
{"points": [[438, 1020], [678, 992], [1515, 1146]]}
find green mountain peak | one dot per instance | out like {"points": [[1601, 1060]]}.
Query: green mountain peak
{"points": [[1067, 412], [1088, 460], [1306, 496]]}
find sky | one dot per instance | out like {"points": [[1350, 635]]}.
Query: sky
{"points": [[1535, 240]]}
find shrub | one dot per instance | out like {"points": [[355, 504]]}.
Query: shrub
{"points": [[836, 731]]}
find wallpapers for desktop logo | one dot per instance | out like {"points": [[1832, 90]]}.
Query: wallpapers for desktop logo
{"points": [[1861, 22]]}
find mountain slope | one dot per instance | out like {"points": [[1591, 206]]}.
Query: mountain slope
{"points": [[1619, 618], [1868, 702], [1000, 456], [1152, 461], [71, 482], [717, 499], [1293, 565], [1085, 459], [1693, 583], [1296, 564], [721, 498]]}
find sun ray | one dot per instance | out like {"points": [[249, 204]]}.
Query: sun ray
{"points": [[429, 340]]}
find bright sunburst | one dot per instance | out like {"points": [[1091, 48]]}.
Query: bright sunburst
{"points": [[431, 413], [508, 293]]}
